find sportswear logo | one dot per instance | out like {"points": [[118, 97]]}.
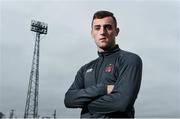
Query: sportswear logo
{"points": [[89, 70], [108, 68]]}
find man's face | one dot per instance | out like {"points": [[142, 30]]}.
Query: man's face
{"points": [[104, 33]]}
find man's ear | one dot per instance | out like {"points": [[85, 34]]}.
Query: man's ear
{"points": [[117, 31], [92, 36]]}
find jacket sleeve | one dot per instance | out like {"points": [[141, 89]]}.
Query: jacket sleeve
{"points": [[124, 93], [77, 96]]}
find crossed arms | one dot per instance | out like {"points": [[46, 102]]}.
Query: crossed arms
{"points": [[102, 98]]}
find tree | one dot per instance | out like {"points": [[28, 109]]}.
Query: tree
{"points": [[1, 115]]}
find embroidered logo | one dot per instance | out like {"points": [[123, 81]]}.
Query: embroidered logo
{"points": [[89, 70], [109, 68]]}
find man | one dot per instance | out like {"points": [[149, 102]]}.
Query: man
{"points": [[106, 87]]}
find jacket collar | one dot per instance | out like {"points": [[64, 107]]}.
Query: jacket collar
{"points": [[109, 52]]}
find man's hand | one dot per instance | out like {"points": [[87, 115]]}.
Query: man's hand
{"points": [[110, 88]]}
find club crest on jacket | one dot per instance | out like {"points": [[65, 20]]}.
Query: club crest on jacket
{"points": [[109, 68]]}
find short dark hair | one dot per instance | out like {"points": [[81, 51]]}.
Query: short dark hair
{"points": [[101, 14]]}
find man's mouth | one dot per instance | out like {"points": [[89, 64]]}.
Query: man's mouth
{"points": [[102, 39]]}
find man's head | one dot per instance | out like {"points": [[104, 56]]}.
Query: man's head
{"points": [[104, 30]]}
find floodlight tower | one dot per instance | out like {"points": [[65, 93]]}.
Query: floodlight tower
{"points": [[31, 107]]}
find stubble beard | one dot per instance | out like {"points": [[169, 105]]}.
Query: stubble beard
{"points": [[105, 46]]}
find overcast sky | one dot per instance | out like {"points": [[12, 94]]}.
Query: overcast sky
{"points": [[149, 28]]}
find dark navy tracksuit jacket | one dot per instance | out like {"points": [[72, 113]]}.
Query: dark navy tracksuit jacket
{"points": [[89, 90]]}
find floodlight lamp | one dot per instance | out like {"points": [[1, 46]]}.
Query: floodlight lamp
{"points": [[39, 27]]}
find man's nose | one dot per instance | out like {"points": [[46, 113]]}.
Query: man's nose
{"points": [[102, 31]]}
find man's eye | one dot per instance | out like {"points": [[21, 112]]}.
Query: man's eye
{"points": [[97, 28], [108, 27]]}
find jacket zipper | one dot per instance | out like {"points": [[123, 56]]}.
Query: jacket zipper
{"points": [[98, 69]]}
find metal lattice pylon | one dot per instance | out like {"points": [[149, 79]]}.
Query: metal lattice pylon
{"points": [[31, 107]]}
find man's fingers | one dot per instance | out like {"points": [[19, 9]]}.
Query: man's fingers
{"points": [[110, 88]]}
